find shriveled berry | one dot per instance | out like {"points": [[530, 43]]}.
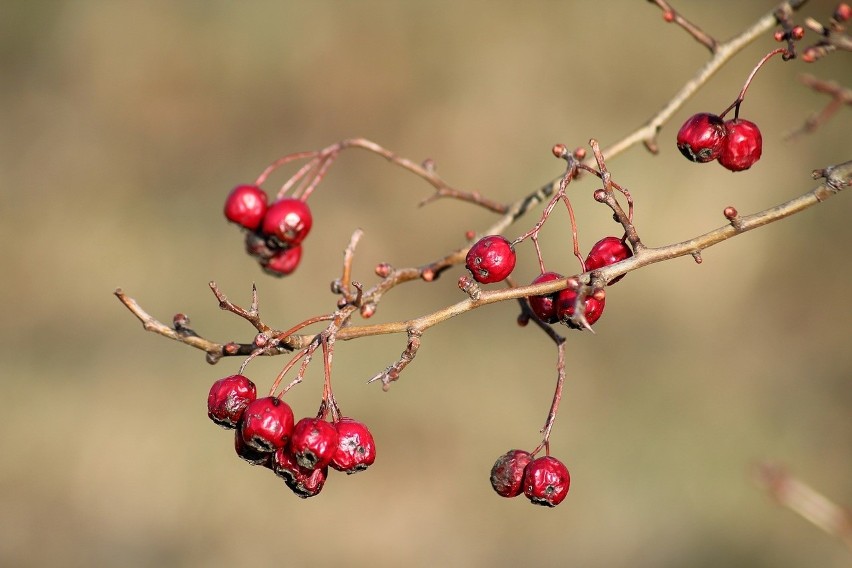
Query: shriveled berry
{"points": [[283, 262], [356, 450], [544, 307], [267, 424], [607, 251], [565, 305], [546, 481], [248, 453], [507, 475], [313, 443], [246, 206], [228, 399], [743, 145], [302, 481], [701, 136], [288, 220], [258, 247], [490, 259]]}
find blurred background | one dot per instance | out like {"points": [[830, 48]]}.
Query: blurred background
{"points": [[125, 125]]}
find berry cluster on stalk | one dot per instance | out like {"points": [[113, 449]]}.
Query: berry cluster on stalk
{"points": [[300, 452], [274, 233]]}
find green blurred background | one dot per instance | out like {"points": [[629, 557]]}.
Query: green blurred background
{"points": [[125, 124]]}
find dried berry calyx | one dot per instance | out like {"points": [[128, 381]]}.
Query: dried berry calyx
{"points": [[701, 136], [229, 398], [743, 145], [267, 424], [356, 449], [288, 221], [490, 259], [507, 474], [302, 481], [546, 481], [313, 442]]}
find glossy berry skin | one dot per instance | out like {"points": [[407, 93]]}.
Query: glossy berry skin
{"points": [[565, 304], [288, 221], [743, 145], [267, 424], [283, 262], [607, 251], [248, 453], [356, 450], [546, 481], [507, 475], [544, 307], [246, 206], [490, 259], [301, 481], [701, 136], [228, 399], [313, 442]]}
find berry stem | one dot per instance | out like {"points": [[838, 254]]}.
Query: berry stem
{"points": [[738, 101], [557, 398], [282, 161]]}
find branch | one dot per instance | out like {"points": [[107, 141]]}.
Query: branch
{"points": [[806, 502]]}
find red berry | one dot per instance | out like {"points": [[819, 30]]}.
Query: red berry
{"points": [[302, 481], [593, 308], [842, 12], [743, 145], [490, 259], [288, 220], [313, 442], [607, 251], [546, 481], [267, 424], [228, 399], [356, 450], [248, 453], [246, 206], [507, 475], [283, 262], [701, 136], [544, 307]]}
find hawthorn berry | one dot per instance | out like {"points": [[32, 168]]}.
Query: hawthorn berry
{"points": [[743, 145], [490, 259], [546, 481], [565, 303], [507, 474], [246, 206], [228, 399], [248, 453], [356, 450], [288, 221], [701, 136], [544, 307], [313, 442], [267, 424], [302, 481], [607, 251], [283, 262]]}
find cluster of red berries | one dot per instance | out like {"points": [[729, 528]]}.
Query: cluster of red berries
{"points": [[736, 144], [300, 453], [492, 259], [544, 481], [274, 233]]}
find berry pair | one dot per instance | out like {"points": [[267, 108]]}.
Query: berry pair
{"points": [[736, 144], [275, 232], [300, 453], [544, 481]]}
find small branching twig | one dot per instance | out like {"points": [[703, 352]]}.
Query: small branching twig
{"points": [[839, 96], [805, 501], [673, 16]]}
